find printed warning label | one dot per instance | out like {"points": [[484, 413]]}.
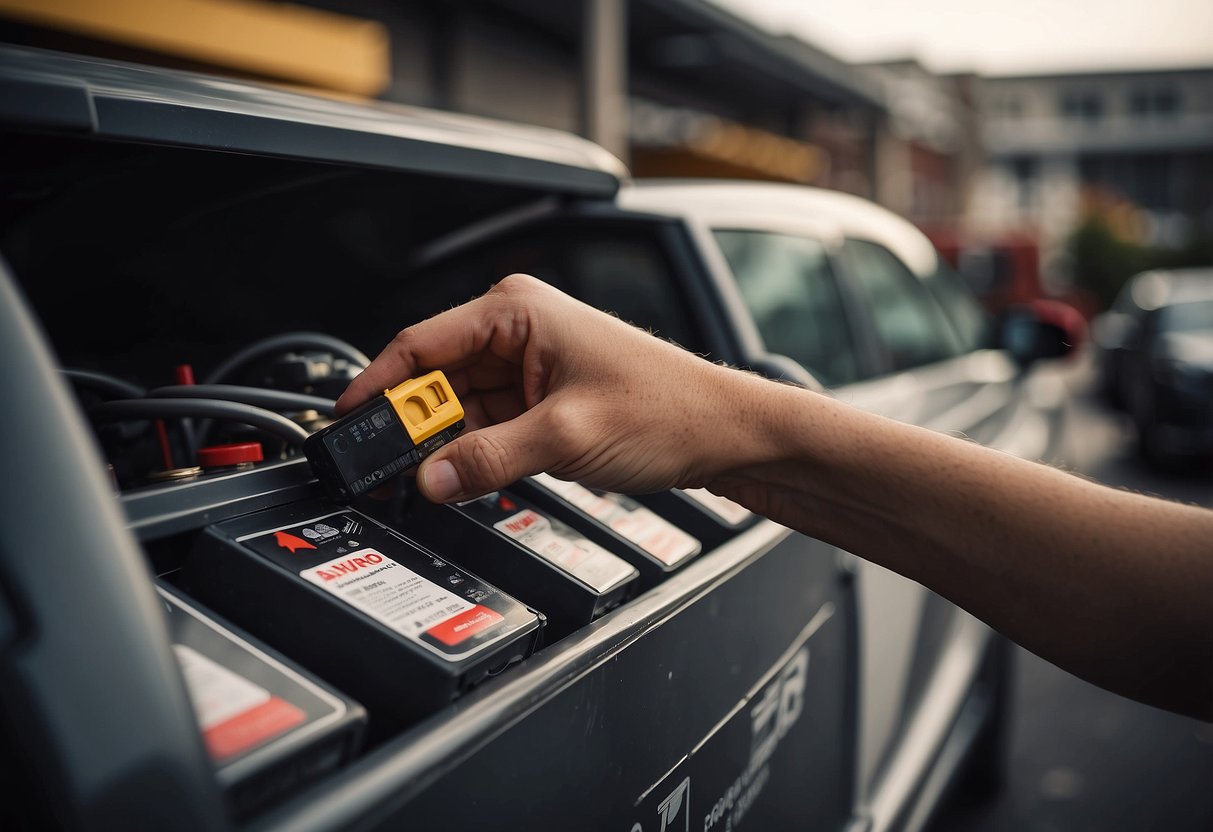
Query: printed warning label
{"points": [[394, 595], [630, 520], [234, 714], [730, 512], [560, 545]]}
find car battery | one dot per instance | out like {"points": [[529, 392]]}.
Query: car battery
{"points": [[512, 542], [711, 518], [648, 541], [269, 727], [400, 628]]}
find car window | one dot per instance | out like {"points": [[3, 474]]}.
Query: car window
{"points": [[1187, 317], [907, 320], [964, 313], [791, 292], [620, 269]]}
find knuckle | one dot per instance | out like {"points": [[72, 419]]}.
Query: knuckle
{"points": [[517, 284], [404, 343], [564, 427]]}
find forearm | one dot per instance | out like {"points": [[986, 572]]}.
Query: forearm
{"points": [[1113, 586]]}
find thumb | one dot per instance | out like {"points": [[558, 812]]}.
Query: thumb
{"points": [[482, 461]]}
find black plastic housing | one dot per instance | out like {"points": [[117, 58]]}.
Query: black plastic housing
{"points": [[568, 602], [242, 569]]}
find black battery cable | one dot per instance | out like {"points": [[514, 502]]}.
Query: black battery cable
{"points": [[105, 386], [258, 417], [284, 343], [277, 400]]}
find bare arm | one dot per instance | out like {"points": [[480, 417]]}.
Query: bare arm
{"points": [[1113, 586]]}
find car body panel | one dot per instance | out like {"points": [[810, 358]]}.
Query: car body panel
{"points": [[982, 395]]}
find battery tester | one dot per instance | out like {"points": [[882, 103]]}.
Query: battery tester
{"points": [[384, 437]]}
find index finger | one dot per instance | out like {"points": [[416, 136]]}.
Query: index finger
{"points": [[448, 341]]}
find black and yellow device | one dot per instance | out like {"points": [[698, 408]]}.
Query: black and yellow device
{"points": [[386, 436]]}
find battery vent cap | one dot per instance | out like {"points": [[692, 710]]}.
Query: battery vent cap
{"points": [[237, 453]]}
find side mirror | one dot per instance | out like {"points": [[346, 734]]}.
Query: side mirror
{"points": [[1042, 329]]}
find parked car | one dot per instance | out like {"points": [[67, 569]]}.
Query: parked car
{"points": [[1156, 361], [156, 224]]}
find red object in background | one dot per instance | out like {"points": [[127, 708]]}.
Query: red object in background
{"points": [[1003, 270], [166, 447], [218, 456], [1063, 316], [185, 374]]}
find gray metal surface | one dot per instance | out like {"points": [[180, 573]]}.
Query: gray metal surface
{"points": [[93, 704], [48, 90]]}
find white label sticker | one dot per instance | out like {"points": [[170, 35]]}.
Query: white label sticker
{"points": [[218, 694], [724, 508], [560, 545], [630, 520], [390, 593]]}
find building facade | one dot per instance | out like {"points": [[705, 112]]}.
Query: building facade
{"points": [[1055, 143]]}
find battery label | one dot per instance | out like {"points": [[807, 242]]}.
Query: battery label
{"points": [[234, 714], [728, 511], [630, 520], [399, 598], [560, 545]]}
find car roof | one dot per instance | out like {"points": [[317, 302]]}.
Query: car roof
{"points": [[796, 209], [44, 90]]}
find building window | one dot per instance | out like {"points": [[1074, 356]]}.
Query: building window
{"points": [[1023, 170], [1081, 105], [1154, 102]]}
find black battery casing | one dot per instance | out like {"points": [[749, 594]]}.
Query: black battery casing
{"points": [[251, 569], [471, 529], [274, 757]]}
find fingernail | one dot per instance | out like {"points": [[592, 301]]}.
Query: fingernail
{"points": [[442, 481]]}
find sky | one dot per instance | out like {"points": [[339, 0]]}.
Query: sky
{"points": [[999, 36]]}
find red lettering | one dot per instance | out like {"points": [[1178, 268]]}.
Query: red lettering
{"points": [[521, 523], [333, 571]]}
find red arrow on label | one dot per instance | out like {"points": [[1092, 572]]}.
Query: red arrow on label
{"points": [[288, 541]]}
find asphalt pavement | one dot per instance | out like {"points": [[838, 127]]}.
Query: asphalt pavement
{"points": [[1081, 758]]}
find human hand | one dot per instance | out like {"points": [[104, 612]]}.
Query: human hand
{"points": [[550, 384]]}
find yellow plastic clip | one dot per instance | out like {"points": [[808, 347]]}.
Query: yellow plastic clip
{"points": [[425, 405]]}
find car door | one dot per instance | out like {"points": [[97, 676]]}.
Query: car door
{"points": [[892, 342]]}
